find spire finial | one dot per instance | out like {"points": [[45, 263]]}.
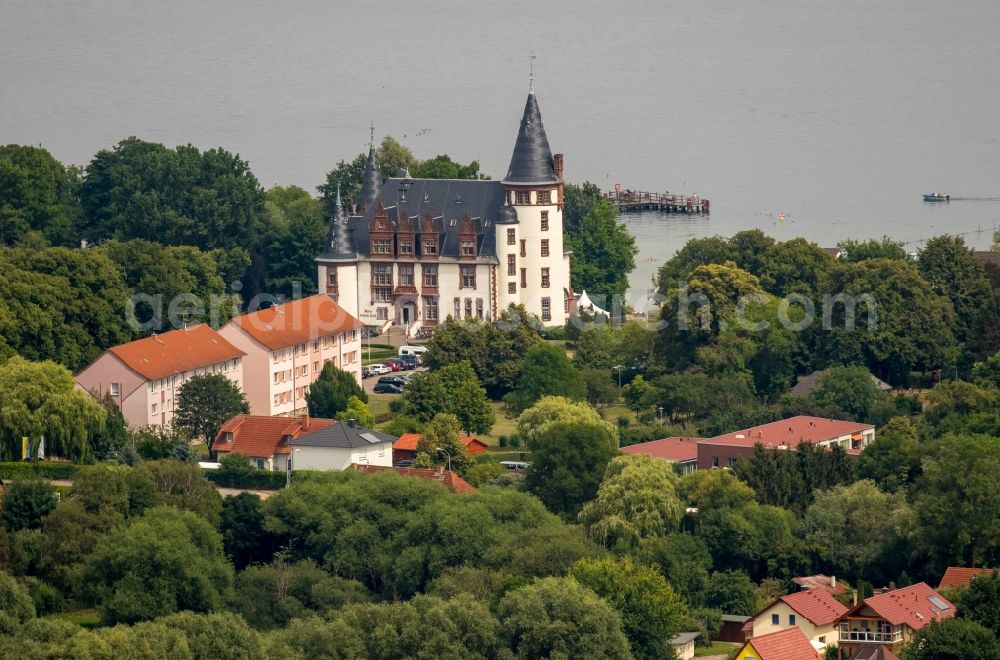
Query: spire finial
{"points": [[371, 137], [531, 73]]}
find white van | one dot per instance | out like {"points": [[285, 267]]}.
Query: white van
{"points": [[416, 351]]}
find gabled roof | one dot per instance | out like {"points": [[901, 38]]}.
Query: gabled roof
{"points": [[675, 450], [342, 435], [297, 322], [958, 576], [805, 385], [531, 163], [409, 441], [790, 432], [916, 606], [815, 605], [820, 581], [259, 436], [787, 644], [446, 477], [176, 351], [872, 652]]}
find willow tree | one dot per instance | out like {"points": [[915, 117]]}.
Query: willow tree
{"points": [[40, 400]]}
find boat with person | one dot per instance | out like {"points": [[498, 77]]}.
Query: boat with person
{"points": [[936, 197]]}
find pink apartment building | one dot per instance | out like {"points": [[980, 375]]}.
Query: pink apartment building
{"points": [[143, 376], [286, 347]]}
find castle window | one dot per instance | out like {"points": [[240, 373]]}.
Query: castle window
{"points": [[511, 240], [458, 308], [430, 275], [512, 287], [545, 278], [545, 247], [511, 264], [382, 295], [468, 277], [430, 247], [331, 277], [544, 196], [479, 308], [468, 249], [524, 278], [382, 274], [405, 274], [468, 308], [524, 248], [406, 246], [522, 197], [546, 309], [431, 309], [382, 246], [382, 313], [545, 220]]}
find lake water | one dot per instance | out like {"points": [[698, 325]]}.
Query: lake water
{"points": [[838, 115]]}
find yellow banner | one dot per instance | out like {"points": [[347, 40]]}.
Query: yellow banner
{"points": [[24, 448]]}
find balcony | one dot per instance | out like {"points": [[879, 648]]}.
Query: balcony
{"points": [[871, 636]]}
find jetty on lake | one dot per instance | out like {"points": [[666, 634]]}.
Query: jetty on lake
{"points": [[665, 202]]}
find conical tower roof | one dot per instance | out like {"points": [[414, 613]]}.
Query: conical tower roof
{"points": [[371, 183], [531, 162], [338, 238]]}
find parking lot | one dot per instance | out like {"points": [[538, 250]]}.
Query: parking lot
{"points": [[369, 383]]}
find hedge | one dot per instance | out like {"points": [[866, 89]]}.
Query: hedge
{"points": [[37, 470], [256, 480]]}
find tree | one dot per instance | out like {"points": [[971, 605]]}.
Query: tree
{"points": [[601, 389], [683, 559], [731, 592], [855, 251], [604, 252], [26, 503], [558, 617], [69, 535], [696, 252], [795, 266], [15, 603], [331, 391], [980, 601], [164, 562], [850, 389], [542, 551], [441, 444], [393, 157], [206, 402], [599, 347], [453, 389], [546, 371], [568, 461], [241, 525], [550, 410], [113, 493], [443, 167], [295, 225], [637, 499], [948, 639], [37, 194], [182, 485], [345, 177], [358, 411], [892, 461], [651, 611], [578, 201], [217, 635], [957, 502], [853, 526]]}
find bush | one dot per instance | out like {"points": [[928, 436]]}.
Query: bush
{"points": [[502, 441], [37, 469], [252, 480]]}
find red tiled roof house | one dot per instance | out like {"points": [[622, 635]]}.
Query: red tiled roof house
{"points": [[406, 447], [788, 644], [447, 478], [813, 611], [145, 376], [890, 619], [286, 347], [959, 576], [264, 440], [681, 451]]}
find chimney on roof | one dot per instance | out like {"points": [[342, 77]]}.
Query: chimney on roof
{"points": [[855, 596], [892, 586], [352, 422], [833, 581], [305, 422]]}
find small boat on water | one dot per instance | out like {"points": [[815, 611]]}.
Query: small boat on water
{"points": [[936, 197]]}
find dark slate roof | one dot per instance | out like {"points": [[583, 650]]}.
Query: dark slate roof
{"points": [[805, 385], [341, 435], [447, 201], [531, 162], [371, 184], [338, 238]]}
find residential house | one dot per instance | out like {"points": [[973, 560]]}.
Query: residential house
{"points": [[956, 577], [805, 385], [286, 348], [787, 644], [264, 440], [339, 445], [890, 619], [683, 644], [406, 447], [683, 452], [820, 581], [144, 376], [447, 478], [813, 611], [787, 434], [415, 251]]}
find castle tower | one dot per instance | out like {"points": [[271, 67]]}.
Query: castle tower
{"points": [[338, 263], [533, 269], [371, 184]]}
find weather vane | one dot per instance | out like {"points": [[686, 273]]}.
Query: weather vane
{"points": [[531, 73]]}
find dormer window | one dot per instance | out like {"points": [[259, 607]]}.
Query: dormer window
{"points": [[430, 247], [468, 248], [522, 197]]}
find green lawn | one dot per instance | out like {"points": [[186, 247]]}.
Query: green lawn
{"points": [[504, 424], [378, 404], [717, 648], [88, 618], [377, 354]]}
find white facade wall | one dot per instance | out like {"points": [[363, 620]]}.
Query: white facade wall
{"points": [[333, 458]]}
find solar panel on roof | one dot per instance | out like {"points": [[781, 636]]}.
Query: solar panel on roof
{"points": [[370, 437], [939, 603]]}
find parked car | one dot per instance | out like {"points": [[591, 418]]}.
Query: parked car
{"points": [[409, 362], [406, 462], [378, 369], [393, 364], [387, 388], [398, 381], [367, 371]]}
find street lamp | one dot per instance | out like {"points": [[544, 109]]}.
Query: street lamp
{"points": [[619, 368], [439, 449], [288, 472], [660, 409]]}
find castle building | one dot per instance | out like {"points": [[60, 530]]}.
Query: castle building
{"points": [[416, 251]]}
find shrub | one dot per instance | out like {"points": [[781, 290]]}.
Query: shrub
{"points": [[37, 469]]}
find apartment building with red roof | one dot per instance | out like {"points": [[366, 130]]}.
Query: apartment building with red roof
{"points": [[682, 451], [287, 346], [890, 619], [786, 434], [144, 376], [813, 611]]}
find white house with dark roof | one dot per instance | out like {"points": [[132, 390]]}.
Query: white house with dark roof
{"points": [[416, 251], [337, 446]]}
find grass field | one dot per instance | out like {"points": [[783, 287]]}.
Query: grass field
{"points": [[377, 354], [88, 618], [378, 404], [717, 648]]}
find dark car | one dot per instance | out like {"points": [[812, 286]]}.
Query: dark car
{"points": [[409, 362], [393, 364], [405, 463], [398, 381], [387, 388]]}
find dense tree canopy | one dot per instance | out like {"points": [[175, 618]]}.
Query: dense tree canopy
{"points": [[546, 372], [37, 194], [330, 393], [603, 252], [205, 402], [568, 462], [454, 389]]}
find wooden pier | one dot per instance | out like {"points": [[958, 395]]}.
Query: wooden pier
{"points": [[637, 200]]}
